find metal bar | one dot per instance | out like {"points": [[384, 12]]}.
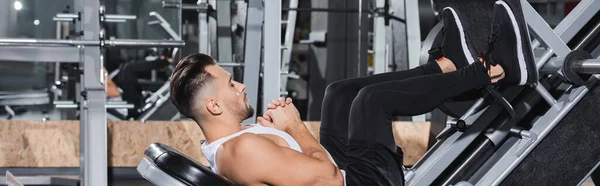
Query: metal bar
{"points": [[11, 180], [545, 33], [272, 49], [323, 10], [118, 173], [40, 54], [193, 7], [10, 111], [183, 6], [25, 95], [170, 5], [70, 16], [39, 180], [165, 25], [110, 43], [480, 148], [587, 66], [26, 101], [115, 20], [108, 106], [108, 17], [57, 69], [66, 106], [359, 39], [224, 34], [230, 64], [123, 17], [252, 52], [447, 130], [568, 27], [544, 59], [63, 102], [473, 108], [286, 54], [587, 37], [203, 37], [144, 43], [545, 94], [179, 32], [39, 42], [571, 24], [119, 106], [159, 102], [159, 92], [439, 158], [93, 129], [59, 19], [155, 22], [576, 19], [379, 41]]}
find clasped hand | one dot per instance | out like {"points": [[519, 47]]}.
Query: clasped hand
{"points": [[281, 114]]}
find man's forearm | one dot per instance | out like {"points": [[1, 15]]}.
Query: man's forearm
{"points": [[310, 146]]}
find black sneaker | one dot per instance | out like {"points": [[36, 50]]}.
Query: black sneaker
{"points": [[456, 45], [509, 45]]}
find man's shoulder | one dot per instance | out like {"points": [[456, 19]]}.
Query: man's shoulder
{"points": [[246, 145], [246, 152]]}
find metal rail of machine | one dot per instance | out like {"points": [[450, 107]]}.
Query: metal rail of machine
{"points": [[455, 140], [286, 49], [252, 51]]}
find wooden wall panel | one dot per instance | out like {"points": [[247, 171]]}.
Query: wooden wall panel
{"points": [[56, 143]]}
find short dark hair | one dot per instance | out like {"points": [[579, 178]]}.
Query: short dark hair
{"points": [[188, 78]]}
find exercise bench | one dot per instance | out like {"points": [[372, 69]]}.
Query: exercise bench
{"points": [[165, 166]]}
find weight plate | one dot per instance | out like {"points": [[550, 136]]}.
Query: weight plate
{"points": [[567, 69]]}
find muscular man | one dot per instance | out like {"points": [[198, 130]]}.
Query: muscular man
{"points": [[357, 146]]}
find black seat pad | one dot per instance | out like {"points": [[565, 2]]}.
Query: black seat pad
{"points": [[182, 167]]}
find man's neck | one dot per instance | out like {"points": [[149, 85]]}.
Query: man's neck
{"points": [[215, 130]]}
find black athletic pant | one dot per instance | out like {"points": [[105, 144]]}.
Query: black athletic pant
{"points": [[128, 82], [356, 123]]}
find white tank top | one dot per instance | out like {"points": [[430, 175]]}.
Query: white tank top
{"points": [[210, 150]]}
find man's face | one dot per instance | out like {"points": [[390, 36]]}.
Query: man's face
{"points": [[231, 94]]}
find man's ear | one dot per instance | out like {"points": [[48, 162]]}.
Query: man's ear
{"points": [[213, 107]]}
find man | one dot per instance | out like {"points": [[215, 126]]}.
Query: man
{"points": [[357, 146]]}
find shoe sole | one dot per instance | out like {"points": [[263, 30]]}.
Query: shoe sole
{"points": [[463, 38], [520, 55]]}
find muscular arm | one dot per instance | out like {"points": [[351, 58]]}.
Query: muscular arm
{"points": [[283, 115], [310, 146], [251, 159]]}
